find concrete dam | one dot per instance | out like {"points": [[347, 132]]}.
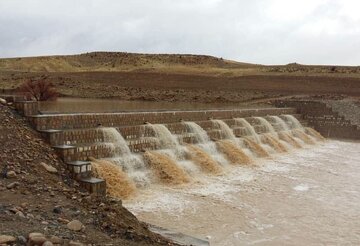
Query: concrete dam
{"points": [[225, 177], [167, 147]]}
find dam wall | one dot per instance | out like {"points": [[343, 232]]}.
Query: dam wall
{"points": [[321, 116], [166, 146], [89, 120]]}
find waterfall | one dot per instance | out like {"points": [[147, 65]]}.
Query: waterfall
{"points": [[118, 183], [286, 136], [256, 148], [203, 159], [281, 122], [205, 143], [314, 133], [166, 168], [275, 143], [269, 128], [292, 121], [234, 154], [131, 163], [172, 148], [226, 131], [303, 136], [250, 130]]}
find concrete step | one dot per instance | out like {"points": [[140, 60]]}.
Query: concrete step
{"points": [[94, 185]]}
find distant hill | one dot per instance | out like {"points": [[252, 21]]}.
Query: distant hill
{"points": [[117, 61]]}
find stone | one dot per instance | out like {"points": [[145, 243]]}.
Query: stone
{"points": [[47, 243], [3, 101], [56, 240], [75, 225], [74, 243], [21, 240], [57, 210], [6, 239], [49, 168], [12, 185], [11, 174], [63, 220], [36, 238]]}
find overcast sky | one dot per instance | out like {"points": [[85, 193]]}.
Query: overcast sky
{"points": [[257, 31]]}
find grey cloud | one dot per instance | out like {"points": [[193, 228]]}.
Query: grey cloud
{"points": [[260, 31]]}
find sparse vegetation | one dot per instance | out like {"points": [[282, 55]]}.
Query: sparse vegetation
{"points": [[40, 90]]}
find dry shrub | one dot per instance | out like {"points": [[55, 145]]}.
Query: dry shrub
{"points": [[39, 90]]}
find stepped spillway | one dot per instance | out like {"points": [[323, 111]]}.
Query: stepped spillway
{"points": [[181, 152]]}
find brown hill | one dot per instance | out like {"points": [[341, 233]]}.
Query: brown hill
{"points": [[176, 77], [117, 61]]}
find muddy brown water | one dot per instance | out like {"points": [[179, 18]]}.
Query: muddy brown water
{"points": [[76, 105], [308, 196]]}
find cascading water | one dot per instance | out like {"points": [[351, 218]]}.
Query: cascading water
{"points": [[233, 153], [281, 123], [226, 131], [269, 128], [250, 130], [273, 142], [204, 160], [172, 148], [166, 168], [314, 133], [131, 163], [255, 147], [118, 183], [293, 122], [205, 143]]}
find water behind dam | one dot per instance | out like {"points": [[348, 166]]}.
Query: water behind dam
{"points": [[285, 186], [86, 105]]}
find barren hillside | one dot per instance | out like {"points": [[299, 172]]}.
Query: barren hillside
{"points": [[177, 77]]}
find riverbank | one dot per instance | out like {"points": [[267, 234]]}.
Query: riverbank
{"points": [[37, 195]]}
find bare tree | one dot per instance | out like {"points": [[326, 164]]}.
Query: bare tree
{"points": [[39, 90]]}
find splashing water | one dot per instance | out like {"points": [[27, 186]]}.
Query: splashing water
{"points": [[269, 128], [206, 163], [314, 133], [293, 122], [249, 129], [303, 136], [131, 163], [286, 136], [166, 168], [118, 184], [205, 143], [227, 132], [234, 154], [273, 142], [256, 148], [280, 122]]}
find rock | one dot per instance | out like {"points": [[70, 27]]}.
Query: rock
{"points": [[21, 240], [36, 238], [11, 174], [57, 210], [63, 221], [75, 225], [49, 168], [56, 240], [73, 243], [20, 214], [6, 239], [48, 243], [3, 101], [12, 185]]}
